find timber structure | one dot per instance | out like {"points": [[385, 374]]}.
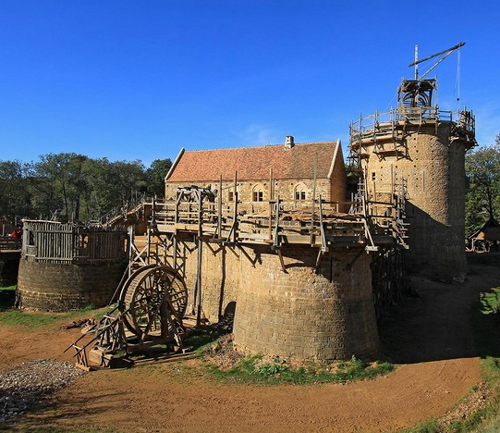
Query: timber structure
{"points": [[67, 266], [155, 298]]}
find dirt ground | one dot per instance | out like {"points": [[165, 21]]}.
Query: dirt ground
{"points": [[429, 338]]}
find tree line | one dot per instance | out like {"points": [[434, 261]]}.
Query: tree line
{"points": [[75, 187], [80, 188], [482, 166]]}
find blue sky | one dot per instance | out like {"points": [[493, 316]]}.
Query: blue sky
{"points": [[140, 79]]}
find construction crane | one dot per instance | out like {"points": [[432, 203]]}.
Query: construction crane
{"points": [[445, 54]]}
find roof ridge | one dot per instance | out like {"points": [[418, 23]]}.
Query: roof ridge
{"points": [[261, 145]]}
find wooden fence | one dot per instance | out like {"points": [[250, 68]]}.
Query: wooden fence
{"points": [[9, 244], [54, 242]]}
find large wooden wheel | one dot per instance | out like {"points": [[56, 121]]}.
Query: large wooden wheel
{"points": [[153, 300]]}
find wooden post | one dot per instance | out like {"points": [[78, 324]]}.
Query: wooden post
{"points": [[174, 255], [200, 213], [130, 242], [277, 226], [148, 245], [313, 198], [271, 198], [235, 222], [271, 183], [176, 215], [392, 184], [270, 225], [198, 283], [219, 210], [324, 247], [153, 211]]}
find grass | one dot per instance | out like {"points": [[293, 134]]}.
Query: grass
{"points": [[253, 370], [490, 301], [7, 295], [30, 320], [8, 289], [202, 339]]}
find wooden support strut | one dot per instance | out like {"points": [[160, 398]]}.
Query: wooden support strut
{"points": [[271, 198], [371, 246], [234, 226], [277, 243], [198, 283], [324, 247], [219, 210], [313, 199], [277, 238]]}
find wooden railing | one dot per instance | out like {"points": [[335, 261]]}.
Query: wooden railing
{"points": [[389, 120], [8, 243], [56, 242], [277, 221]]}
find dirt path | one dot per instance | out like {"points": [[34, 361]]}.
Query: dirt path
{"points": [[430, 336]]}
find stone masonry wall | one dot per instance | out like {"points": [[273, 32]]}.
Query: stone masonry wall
{"points": [[65, 287], [435, 173], [285, 188], [325, 316], [300, 313]]}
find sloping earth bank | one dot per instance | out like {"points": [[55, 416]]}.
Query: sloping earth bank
{"points": [[430, 338]]}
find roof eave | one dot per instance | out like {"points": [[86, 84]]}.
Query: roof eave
{"points": [[171, 171], [332, 166]]}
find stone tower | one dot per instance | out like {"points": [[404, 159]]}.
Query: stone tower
{"points": [[423, 148]]}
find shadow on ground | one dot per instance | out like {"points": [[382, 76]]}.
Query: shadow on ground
{"points": [[56, 409], [443, 320]]}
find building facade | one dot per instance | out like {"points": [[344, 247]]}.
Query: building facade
{"points": [[263, 173]]}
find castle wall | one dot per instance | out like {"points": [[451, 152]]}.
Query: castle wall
{"points": [[300, 313], [435, 173], [65, 287], [333, 190]]}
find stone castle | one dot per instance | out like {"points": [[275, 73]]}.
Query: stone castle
{"points": [[282, 237], [294, 303]]}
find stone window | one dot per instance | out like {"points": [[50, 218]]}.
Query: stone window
{"points": [[230, 195], [300, 192], [258, 193]]}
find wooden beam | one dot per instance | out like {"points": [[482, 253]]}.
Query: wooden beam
{"points": [[219, 209]]}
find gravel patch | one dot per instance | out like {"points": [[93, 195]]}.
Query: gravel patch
{"points": [[27, 383]]}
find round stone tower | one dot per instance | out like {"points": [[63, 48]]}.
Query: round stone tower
{"points": [[304, 314], [317, 312], [69, 266], [421, 148]]}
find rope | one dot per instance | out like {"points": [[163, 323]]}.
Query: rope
{"points": [[458, 79]]}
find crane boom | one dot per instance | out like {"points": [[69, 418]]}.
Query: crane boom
{"points": [[461, 44]]}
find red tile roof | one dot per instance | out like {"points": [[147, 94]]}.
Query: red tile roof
{"points": [[255, 162]]}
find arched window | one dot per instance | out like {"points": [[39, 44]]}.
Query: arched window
{"points": [[258, 193], [300, 192]]}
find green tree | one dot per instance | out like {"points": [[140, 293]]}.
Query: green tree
{"points": [[60, 182], [483, 198], [78, 187], [14, 191], [112, 184], [155, 176]]}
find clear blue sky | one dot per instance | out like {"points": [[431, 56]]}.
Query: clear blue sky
{"points": [[141, 79]]}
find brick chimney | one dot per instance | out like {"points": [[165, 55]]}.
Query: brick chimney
{"points": [[289, 143]]}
